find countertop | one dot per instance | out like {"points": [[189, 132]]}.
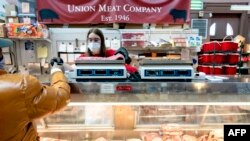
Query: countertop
{"points": [[235, 89]]}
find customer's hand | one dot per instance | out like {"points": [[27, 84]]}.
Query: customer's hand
{"points": [[56, 64]]}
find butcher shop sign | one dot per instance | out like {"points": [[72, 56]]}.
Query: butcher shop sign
{"points": [[113, 11]]}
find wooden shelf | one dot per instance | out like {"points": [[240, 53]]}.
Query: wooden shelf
{"points": [[33, 39], [152, 49]]}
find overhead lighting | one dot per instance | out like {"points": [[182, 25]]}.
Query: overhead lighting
{"points": [[196, 4], [240, 7]]}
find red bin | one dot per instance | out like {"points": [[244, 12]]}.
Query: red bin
{"points": [[216, 70], [200, 68], [218, 58], [230, 70], [206, 58], [211, 46], [206, 69], [229, 45], [233, 58], [200, 60], [214, 46]]}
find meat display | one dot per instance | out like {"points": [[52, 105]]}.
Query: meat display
{"points": [[189, 138], [170, 123]]}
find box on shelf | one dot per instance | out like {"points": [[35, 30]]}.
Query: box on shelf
{"points": [[133, 39], [12, 20], [180, 42], [21, 30], [10, 10], [27, 20]]}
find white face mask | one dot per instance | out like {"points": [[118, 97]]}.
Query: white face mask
{"points": [[94, 47]]}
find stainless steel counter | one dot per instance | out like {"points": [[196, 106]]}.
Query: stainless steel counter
{"points": [[235, 90]]}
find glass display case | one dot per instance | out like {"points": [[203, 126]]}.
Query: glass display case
{"points": [[145, 110]]}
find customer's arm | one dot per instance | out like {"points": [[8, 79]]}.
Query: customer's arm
{"points": [[43, 99]]}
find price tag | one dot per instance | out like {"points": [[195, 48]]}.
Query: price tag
{"points": [[107, 89]]}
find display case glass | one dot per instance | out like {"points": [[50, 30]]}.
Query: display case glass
{"points": [[125, 110]]}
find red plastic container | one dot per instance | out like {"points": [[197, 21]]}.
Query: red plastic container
{"points": [[214, 46], [204, 47], [233, 58], [230, 70], [200, 68], [216, 70], [206, 69], [218, 58], [200, 60], [229, 46], [211, 46], [206, 58]]}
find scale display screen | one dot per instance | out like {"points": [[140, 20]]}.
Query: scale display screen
{"points": [[168, 73], [100, 72]]}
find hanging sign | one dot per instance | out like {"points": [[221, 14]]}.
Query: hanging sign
{"points": [[113, 11]]}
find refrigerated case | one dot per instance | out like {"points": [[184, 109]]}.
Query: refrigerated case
{"points": [[129, 110]]}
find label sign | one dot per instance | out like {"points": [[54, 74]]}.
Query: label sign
{"points": [[113, 11], [236, 132], [107, 88]]}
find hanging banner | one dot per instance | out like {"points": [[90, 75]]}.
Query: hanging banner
{"points": [[113, 11]]}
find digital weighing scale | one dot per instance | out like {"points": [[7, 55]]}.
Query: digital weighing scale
{"points": [[97, 69], [157, 69]]}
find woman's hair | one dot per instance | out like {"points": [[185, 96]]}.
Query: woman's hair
{"points": [[103, 47]]}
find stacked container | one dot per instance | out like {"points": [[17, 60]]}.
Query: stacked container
{"points": [[219, 58]]}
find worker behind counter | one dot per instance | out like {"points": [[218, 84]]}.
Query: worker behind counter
{"points": [[96, 48], [24, 99]]}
